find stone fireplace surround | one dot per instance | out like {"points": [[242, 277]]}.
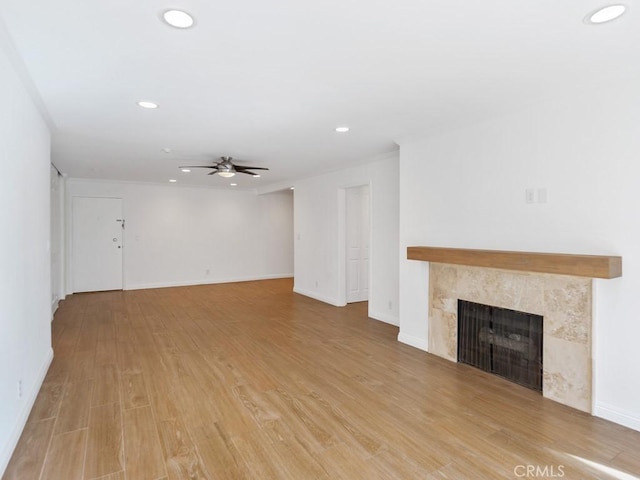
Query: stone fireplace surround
{"points": [[565, 302]]}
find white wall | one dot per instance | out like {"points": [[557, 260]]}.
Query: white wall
{"points": [[467, 189], [319, 209], [57, 238], [25, 296], [175, 234]]}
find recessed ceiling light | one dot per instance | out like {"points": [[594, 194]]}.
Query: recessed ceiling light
{"points": [[145, 104], [233, 184], [173, 180], [257, 175], [605, 14], [178, 18], [342, 129], [166, 150], [186, 170]]}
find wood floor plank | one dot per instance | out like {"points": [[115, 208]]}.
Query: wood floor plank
{"points": [[106, 385], [341, 463], [105, 443], [82, 365], [112, 476], [183, 341], [393, 465], [627, 461], [162, 396], [134, 391], [255, 403], [462, 469], [249, 380], [106, 352], [88, 337], [74, 410], [267, 459], [143, 454], [129, 355], [65, 458], [181, 455], [248, 369], [65, 342], [308, 428], [357, 435], [106, 329], [47, 402], [124, 330], [60, 368], [30, 453], [230, 412], [219, 454], [210, 370]]}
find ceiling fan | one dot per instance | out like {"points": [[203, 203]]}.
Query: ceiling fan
{"points": [[226, 168]]}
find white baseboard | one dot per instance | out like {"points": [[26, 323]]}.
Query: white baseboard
{"points": [[23, 416], [412, 341], [385, 317], [54, 307], [315, 296], [613, 414], [190, 283]]}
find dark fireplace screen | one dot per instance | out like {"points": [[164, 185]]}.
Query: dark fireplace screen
{"points": [[501, 341]]}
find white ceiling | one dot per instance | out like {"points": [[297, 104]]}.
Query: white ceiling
{"points": [[268, 81]]}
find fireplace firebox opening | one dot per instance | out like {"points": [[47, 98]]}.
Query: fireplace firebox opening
{"points": [[504, 342]]}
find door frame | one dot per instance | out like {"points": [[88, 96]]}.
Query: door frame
{"points": [[342, 239], [69, 240]]}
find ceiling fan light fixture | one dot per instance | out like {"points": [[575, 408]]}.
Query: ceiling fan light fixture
{"points": [[605, 14], [178, 19], [226, 174]]}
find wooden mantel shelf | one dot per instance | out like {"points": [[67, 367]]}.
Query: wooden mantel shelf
{"points": [[594, 266]]}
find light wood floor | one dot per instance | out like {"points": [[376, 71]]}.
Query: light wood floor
{"points": [[250, 381]]}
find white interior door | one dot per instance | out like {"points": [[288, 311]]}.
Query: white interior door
{"points": [[357, 218], [97, 244]]}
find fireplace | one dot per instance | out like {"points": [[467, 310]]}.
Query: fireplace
{"points": [[556, 286], [564, 303], [505, 342]]}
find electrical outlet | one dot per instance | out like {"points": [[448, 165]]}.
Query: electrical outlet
{"points": [[316, 283], [390, 305], [207, 271], [20, 388]]}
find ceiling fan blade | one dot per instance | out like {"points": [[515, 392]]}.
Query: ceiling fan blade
{"points": [[245, 171], [200, 166], [242, 167], [213, 173]]}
